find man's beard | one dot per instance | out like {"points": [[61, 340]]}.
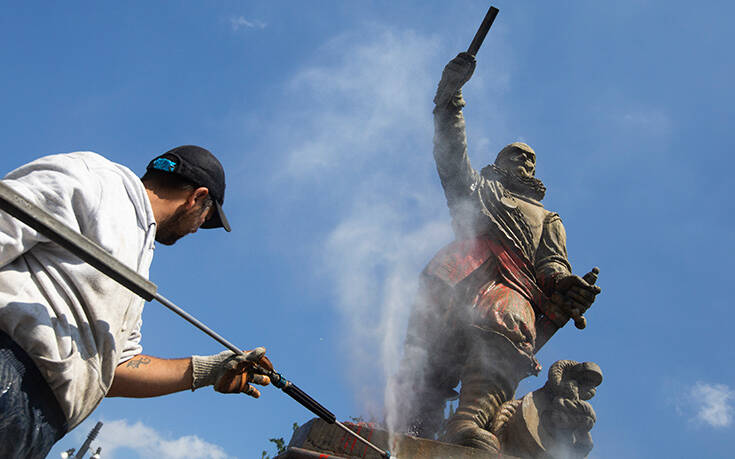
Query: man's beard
{"points": [[526, 186], [174, 227]]}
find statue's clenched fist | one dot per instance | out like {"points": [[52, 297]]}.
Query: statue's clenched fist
{"points": [[457, 72], [577, 295]]}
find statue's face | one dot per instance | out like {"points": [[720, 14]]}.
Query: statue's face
{"points": [[518, 162]]}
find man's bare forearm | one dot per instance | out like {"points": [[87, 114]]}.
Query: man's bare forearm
{"points": [[146, 376]]}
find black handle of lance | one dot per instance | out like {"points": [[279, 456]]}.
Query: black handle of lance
{"points": [[482, 31], [293, 391]]}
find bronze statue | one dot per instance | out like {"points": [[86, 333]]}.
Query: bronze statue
{"points": [[488, 300]]}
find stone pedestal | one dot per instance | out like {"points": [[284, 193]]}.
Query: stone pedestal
{"points": [[552, 422], [317, 439]]}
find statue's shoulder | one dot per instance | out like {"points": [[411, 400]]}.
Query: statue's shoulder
{"points": [[551, 217]]}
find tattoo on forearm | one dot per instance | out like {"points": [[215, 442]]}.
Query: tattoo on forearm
{"points": [[136, 362]]}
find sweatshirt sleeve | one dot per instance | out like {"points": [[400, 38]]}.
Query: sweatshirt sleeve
{"points": [[59, 184], [132, 346]]}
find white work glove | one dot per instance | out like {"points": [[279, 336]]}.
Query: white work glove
{"points": [[231, 373], [457, 72]]}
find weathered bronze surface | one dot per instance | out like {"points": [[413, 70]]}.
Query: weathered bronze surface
{"points": [[492, 297]]}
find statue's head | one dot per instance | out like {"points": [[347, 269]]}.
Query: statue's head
{"points": [[517, 159], [588, 376]]}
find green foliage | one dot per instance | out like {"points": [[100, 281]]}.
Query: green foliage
{"points": [[280, 444], [280, 447]]}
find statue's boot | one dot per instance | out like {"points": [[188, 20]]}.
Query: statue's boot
{"points": [[479, 400], [491, 374]]}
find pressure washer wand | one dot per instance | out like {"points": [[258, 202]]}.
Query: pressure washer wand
{"points": [[291, 389], [86, 249]]}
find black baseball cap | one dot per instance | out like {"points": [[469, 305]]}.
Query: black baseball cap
{"points": [[199, 166]]}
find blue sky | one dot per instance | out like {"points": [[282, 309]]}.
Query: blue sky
{"points": [[321, 114]]}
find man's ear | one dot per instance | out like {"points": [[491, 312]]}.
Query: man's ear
{"points": [[197, 196]]}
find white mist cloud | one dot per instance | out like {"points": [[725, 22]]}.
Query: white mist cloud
{"points": [[362, 123], [149, 443], [713, 403], [364, 103], [240, 22], [373, 258]]}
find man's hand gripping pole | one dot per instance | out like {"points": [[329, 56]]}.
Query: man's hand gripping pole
{"points": [[90, 252]]}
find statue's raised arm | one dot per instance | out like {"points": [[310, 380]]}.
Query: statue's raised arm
{"points": [[450, 141]]}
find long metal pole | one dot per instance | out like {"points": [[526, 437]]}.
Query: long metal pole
{"points": [[194, 321], [86, 249]]}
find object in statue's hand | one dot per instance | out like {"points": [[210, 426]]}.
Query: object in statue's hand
{"points": [[457, 72], [578, 295], [232, 373]]}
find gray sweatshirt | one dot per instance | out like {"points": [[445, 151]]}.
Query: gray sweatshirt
{"points": [[76, 323]]}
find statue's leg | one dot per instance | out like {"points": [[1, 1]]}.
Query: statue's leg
{"points": [[485, 386], [499, 340], [430, 365]]}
